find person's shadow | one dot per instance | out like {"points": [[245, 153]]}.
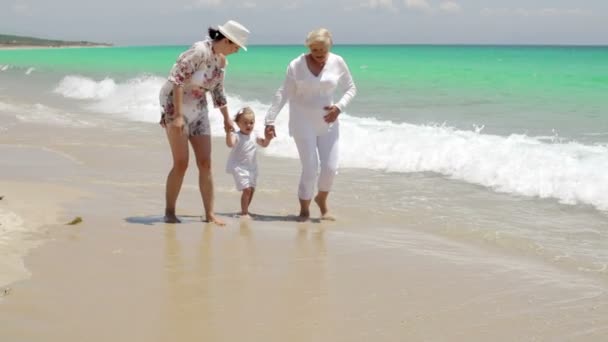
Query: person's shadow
{"points": [[269, 218], [151, 220]]}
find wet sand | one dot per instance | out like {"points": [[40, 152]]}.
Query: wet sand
{"points": [[124, 275]]}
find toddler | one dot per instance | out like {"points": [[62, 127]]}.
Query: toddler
{"points": [[242, 162]]}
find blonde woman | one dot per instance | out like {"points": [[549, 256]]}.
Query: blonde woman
{"points": [[185, 116], [313, 79]]}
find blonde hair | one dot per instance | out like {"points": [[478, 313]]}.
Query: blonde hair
{"points": [[320, 35], [243, 112]]}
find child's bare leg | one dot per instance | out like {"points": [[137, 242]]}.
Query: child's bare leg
{"points": [[304, 210], [250, 199], [246, 196], [252, 192], [321, 200]]}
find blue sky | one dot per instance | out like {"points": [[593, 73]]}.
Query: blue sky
{"points": [[144, 22]]}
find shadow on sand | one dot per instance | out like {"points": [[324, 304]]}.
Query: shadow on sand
{"points": [[151, 220]]}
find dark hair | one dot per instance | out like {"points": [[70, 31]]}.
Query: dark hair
{"points": [[215, 34]]}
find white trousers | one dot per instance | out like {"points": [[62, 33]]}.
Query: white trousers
{"points": [[314, 149]]}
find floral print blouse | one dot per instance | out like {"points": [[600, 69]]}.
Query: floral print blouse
{"points": [[198, 70]]}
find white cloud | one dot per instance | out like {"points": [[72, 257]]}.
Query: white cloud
{"points": [[291, 6], [385, 4], [564, 12], [21, 8], [421, 5], [450, 6], [249, 4], [206, 3], [542, 12]]}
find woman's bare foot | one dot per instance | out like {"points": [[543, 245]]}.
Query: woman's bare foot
{"points": [[325, 215], [213, 219], [304, 216], [170, 216], [245, 217]]}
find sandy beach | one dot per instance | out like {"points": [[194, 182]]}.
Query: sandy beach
{"points": [[124, 275]]}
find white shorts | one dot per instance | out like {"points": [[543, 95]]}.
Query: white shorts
{"points": [[244, 178]]}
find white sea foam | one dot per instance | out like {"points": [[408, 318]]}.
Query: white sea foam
{"points": [[29, 71], [9, 224], [13, 247], [571, 172], [39, 113], [77, 87], [4, 67]]}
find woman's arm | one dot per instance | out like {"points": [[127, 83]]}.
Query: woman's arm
{"points": [[346, 80], [181, 72], [283, 94], [178, 94], [219, 101], [228, 125]]}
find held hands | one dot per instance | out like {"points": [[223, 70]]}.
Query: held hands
{"points": [[332, 113], [228, 125], [269, 132]]}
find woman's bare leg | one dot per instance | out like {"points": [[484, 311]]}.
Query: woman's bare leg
{"points": [[304, 210], [179, 151], [321, 200], [201, 144]]}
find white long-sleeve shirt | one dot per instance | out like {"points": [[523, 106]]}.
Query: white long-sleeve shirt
{"points": [[309, 94]]}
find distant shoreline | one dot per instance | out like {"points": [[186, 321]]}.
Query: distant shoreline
{"points": [[67, 46]]}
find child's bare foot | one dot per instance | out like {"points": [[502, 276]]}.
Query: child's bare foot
{"points": [[212, 219], [170, 216]]}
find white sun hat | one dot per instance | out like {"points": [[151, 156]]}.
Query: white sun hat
{"points": [[236, 32]]}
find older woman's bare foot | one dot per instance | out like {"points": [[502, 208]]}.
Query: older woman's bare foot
{"points": [[304, 216], [213, 219], [325, 215], [170, 216]]}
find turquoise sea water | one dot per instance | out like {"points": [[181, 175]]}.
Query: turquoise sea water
{"points": [[506, 144], [508, 89], [527, 120]]}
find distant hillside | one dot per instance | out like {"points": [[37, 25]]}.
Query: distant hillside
{"points": [[8, 40]]}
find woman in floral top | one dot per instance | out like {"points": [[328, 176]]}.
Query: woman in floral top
{"points": [[185, 115]]}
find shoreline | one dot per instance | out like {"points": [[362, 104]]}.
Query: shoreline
{"points": [[28, 211], [355, 279], [32, 47], [419, 272]]}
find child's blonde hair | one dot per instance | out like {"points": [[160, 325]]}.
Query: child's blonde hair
{"points": [[243, 112]]}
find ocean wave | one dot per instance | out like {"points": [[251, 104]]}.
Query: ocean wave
{"points": [[77, 87], [570, 172]]}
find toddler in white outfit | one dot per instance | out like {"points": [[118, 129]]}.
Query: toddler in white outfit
{"points": [[242, 162]]}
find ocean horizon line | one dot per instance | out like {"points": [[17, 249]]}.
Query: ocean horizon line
{"points": [[390, 44]]}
